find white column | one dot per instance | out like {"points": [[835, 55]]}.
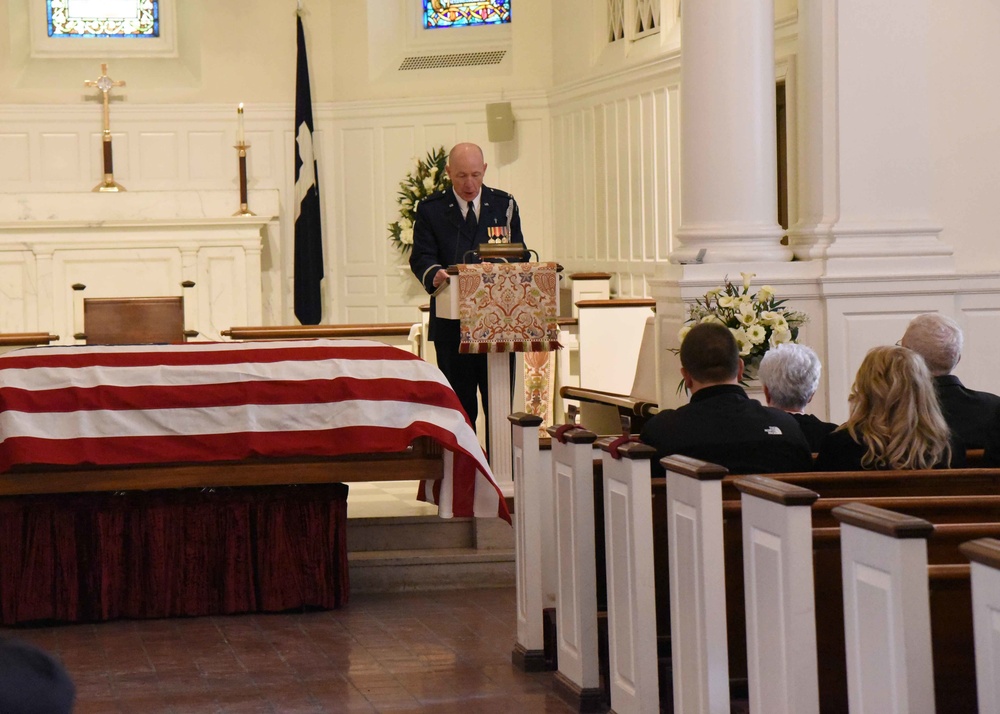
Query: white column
{"points": [[728, 144], [864, 139]]}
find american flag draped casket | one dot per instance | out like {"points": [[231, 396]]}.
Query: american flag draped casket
{"points": [[205, 402]]}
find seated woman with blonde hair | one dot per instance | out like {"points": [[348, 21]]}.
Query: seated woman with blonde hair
{"points": [[895, 420]]}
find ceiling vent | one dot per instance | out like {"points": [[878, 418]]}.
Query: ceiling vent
{"points": [[462, 59]]}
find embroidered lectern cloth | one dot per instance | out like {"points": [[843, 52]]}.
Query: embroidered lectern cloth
{"points": [[508, 307]]}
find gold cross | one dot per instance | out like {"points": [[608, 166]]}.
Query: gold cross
{"points": [[104, 83]]}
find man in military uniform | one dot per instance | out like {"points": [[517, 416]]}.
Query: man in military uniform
{"points": [[449, 225]]}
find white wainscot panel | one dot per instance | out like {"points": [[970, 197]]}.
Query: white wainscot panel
{"points": [[121, 159], [14, 310], [221, 287], [207, 158], [60, 156], [852, 334], [977, 370], [362, 285], [16, 164], [261, 147], [362, 236], [158, 154], [362, 315], [402, 313]]}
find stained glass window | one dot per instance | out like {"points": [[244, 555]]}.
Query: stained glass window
{"points": [[463, 13], [103, 18]]}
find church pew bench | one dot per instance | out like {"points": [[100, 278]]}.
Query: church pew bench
{"points": [[784, 555], [918, 482], [697, 511], [984, 554], [964, 481]]}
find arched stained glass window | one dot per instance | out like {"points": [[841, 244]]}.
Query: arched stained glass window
{"points": [[464, 13], [131, 19]]}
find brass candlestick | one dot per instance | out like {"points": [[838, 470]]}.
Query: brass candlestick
{"points": [[241, 151]]}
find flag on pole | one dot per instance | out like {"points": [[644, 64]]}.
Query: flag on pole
{"points": [[308, 228]]}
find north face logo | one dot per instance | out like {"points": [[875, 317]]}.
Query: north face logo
{"points": [[773, 431]]}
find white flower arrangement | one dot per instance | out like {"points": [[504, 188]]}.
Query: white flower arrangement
{"points": [[758, 321], [427, 177]]}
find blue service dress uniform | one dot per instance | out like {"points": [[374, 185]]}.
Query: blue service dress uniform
{"points": [[441, 239]]}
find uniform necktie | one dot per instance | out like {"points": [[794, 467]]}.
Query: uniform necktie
{"points": [[470, 218]]}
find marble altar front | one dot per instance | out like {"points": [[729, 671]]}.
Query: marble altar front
{"points": [[131, 244]]}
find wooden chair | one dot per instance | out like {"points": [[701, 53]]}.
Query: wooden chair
{"points": [[133, 321]]}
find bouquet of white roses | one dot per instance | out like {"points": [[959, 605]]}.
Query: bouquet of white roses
{"points": [[426, 178], [758, 321]]}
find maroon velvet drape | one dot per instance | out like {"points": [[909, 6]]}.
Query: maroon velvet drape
{"points": [[102, 556]]}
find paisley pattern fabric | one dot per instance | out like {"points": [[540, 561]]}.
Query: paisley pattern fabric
{"points": [[508, 307], [539, 386]]}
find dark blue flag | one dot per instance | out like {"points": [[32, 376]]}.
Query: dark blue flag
{"points": [[308, 227]]}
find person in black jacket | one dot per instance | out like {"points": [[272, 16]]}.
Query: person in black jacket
{"points": [[895, 420], [33, 681], [970, 414], [444, 234], [790, 375], [721, 424]]}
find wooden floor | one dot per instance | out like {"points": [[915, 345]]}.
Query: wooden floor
{"points": [[412, 652]]}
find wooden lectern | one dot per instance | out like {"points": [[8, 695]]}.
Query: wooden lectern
{"points": [[133, 321], [503, 307]]}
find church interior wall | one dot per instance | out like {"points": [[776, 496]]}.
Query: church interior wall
{"points": [[965, 138], [593, 163]]}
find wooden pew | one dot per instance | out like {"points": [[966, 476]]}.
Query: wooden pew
{"points": [[698, 519], [632, 643], [532, 508], [779, 545], [578, 676], [984, 555], [965, 481], [887, 611]]}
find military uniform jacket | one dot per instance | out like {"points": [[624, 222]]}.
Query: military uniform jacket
{"points": [[441, 239]]}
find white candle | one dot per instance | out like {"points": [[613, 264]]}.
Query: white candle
{"points": [[240, 139]]}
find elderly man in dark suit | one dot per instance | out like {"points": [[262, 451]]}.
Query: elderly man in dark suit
{"points": [[721, 424], [970, 414], [448, 226]]}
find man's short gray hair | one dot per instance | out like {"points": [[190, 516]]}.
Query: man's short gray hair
{"points": [[791, 375], [936, 338]]}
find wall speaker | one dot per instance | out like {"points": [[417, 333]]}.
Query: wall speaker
{"points": [[500, 121]]}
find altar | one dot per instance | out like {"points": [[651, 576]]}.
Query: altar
{"points": [[58, 248]]}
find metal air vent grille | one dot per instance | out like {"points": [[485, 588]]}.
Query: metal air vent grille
{"points": [[462, 59]]}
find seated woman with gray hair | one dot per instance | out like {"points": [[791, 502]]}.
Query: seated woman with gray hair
{"points": [[790, 375]]}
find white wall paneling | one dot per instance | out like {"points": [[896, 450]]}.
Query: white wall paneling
{"points": [[363, 151], [613, 195]]}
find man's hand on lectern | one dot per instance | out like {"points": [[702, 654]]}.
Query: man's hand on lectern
{"points": [[441, 276]]}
